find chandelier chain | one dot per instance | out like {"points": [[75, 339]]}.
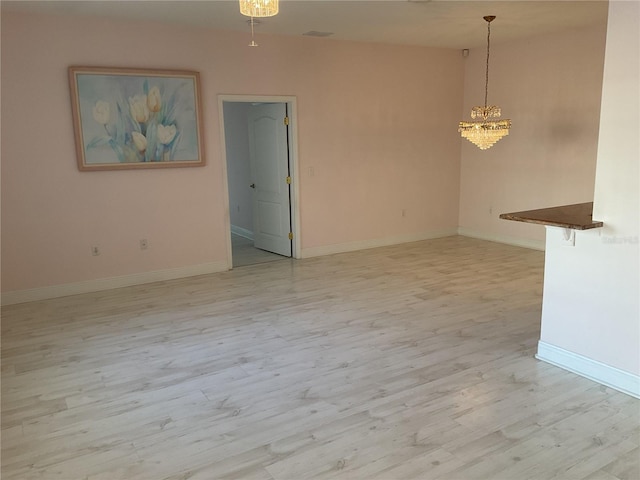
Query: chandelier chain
{"points": [[486, 127], [486, 78]]}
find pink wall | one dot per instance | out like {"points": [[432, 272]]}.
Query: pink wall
{"points": [[550, 87], [374, 122]]}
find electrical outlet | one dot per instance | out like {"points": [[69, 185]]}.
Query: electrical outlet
{"points": [[95, 251], [144, 244]]}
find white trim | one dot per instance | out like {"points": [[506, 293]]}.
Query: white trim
{"points": [[515, 241], [225, 182], [292, 105], [615, 378], [374, 243], [54, 291], [243, 232]]}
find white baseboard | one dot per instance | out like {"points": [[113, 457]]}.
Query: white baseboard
{"points": [[54, 291], [243, 232], [615, 378], [42, 293], [375, 243], [515, 241]]}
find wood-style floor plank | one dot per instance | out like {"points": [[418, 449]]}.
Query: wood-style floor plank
{"points": [[413, 361]]}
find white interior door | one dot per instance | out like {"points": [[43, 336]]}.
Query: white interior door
{"points": [[268, 146]]}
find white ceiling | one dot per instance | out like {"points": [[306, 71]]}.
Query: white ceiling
{"points": [[437, 23]]}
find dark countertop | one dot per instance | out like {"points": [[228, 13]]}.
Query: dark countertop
{"points": [[577, 217]]}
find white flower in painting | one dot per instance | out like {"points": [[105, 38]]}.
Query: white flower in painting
{"points": [[153, 100], [101, 112], [139, 140], [138, 108], [166, 134]]}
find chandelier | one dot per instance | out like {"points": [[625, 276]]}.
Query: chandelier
{"points": [[259, 8], [485, 131]]}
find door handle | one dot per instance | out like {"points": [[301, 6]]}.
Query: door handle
{"points": [[253, 185]]}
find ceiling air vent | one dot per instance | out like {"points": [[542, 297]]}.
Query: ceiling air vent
{"points": [[313, 33]]}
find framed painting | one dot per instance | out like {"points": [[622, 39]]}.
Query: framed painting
{"points": [[127, 118]]}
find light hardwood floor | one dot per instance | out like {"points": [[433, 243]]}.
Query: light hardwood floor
{"points": [[405, 362]]}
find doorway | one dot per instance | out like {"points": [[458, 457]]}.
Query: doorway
{"points": [[260, 168]]}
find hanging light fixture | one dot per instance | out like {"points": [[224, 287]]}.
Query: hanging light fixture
{"points": [[485, 131], [253, 22], [259, 8]]}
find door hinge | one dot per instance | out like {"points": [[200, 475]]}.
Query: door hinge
{"points": [[290, 235], [288, 180], [286, 121]]}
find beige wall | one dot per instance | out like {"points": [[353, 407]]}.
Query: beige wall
{"points": [[374, 123], [550, 87]]}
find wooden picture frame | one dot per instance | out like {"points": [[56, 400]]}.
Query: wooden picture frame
{"points": [[127, 118]]}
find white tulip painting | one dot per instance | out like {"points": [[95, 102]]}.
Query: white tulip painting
{"points": [[126, 118], [101, 111]]}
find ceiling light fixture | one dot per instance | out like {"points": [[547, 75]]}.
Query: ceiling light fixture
{"points": [[484, 133], [259, 8], [253, 22]]}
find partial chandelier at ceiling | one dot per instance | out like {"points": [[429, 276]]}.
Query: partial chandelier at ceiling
{"points": [[259, 8], [485, 131]]}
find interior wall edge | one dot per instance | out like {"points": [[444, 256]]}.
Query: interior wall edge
{"points": [[613, 377], [242, 232], [508, 240], [374, 243], [100, 284]]}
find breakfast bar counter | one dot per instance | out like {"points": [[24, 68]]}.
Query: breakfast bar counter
{"points": [[576, 217]]}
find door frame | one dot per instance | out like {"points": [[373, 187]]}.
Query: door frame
{"points": [[292, 112]]}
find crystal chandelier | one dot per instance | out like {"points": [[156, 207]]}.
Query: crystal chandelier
{"points": [[485, 131], [259, 8]]}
